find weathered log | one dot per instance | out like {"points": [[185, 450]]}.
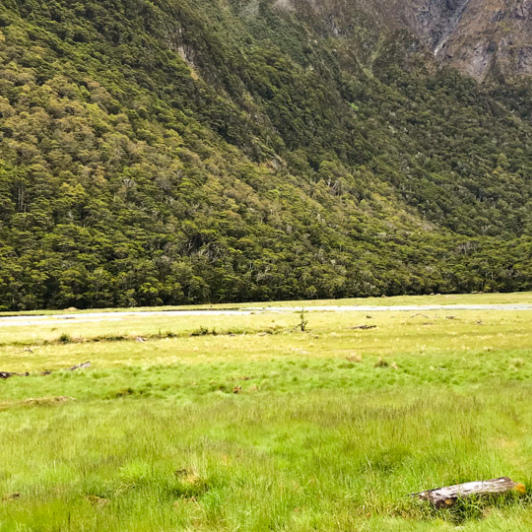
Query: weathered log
{"points": [[447, 496], [80, 366], [8, 374]]}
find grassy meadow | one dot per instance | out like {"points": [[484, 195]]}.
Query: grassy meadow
{"points": [[248, 423]]}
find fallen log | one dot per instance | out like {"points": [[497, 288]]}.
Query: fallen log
{"points": [[80, 366], [363, 327], [8, 374], [447, 496]]}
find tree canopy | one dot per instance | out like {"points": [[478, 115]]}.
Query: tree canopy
{"points": [[166, 152]]}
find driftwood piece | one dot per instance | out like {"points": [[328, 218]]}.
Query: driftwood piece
{"points": [[80, 366], [9, 374], [447, 496]]}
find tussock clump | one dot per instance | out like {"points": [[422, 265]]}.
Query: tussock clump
{"points": [[11, 497], [354, 358], [65, 339], [219, 387], [47, 400], [202, 331], [124, 392], [37, 401], [190, 483], [97, 501]]}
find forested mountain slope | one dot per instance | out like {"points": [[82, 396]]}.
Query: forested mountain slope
{"points": [[173, 151]]}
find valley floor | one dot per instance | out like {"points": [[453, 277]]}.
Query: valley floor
{"points": [[206, 421]]}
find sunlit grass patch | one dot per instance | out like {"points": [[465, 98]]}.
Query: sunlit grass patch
{"points": [[328, 429]]}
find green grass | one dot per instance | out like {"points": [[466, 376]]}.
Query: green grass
{"points": [[320, 434]]}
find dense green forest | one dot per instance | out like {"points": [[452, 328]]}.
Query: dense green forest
{"points": [[177, 151]]}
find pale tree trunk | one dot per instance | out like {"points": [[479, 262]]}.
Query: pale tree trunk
{"points": [[443, 497]]}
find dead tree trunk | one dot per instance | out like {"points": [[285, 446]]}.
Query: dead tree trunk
{"points": [[444, 497], [9, 374]]}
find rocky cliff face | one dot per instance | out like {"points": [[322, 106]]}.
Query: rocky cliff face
{"points": [[490, 37], [434, 20], [479, 37]]}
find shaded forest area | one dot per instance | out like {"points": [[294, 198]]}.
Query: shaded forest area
{"points": [[168, 152]]}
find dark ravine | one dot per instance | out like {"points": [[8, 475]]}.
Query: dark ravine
{"points": [[451, 26]]}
